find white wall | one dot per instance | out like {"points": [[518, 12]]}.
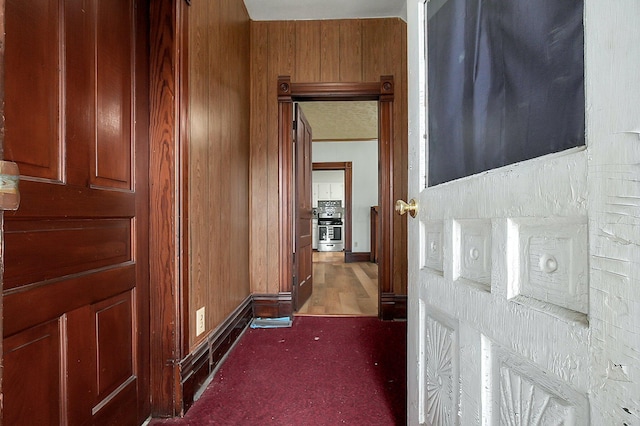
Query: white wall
{"points": [[364, 158]]}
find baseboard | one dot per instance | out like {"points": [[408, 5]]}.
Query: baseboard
{"points": [[393, 306], [272, 305], [351, 257], [196, 367]]}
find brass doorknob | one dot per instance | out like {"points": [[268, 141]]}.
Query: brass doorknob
{"points": [[412, 207]]}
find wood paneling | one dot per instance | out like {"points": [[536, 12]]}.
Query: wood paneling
{"points": [[350, 50], [200, 125], [259, 223], [308, 63], [76, 245], [379, 45], [218, 160]]}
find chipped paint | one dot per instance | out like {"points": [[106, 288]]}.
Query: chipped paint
{"points": [[567, 358]]}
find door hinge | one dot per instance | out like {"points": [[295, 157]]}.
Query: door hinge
{"points": [[295, 125]]}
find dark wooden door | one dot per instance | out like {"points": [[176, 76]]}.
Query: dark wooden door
{"points": [[76, 316], [303, 259]]}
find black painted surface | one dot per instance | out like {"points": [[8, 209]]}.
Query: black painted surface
{"points": [[506, 83]]}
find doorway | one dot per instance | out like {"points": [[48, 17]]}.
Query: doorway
{"points": [[382, 92], [345, 280]]}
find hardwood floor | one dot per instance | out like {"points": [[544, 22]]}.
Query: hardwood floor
{"points": [[342, 289]]}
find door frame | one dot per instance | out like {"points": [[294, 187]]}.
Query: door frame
{"points": [[348, 185], [382, 92]]}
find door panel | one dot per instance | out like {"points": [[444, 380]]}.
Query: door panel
{"points": [[498, 285], [76, 251], [303, 266], [38, 403], [112, 154], [34, 88], [113, 322]]}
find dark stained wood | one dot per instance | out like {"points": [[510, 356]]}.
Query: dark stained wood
{"points": [[200, 105], [375, 231], [113, 320], [383, 91], [366, 91], [79, 240], [385, 186], [350, 257], [33, 357], [303, 259], [2, 115], [112, 154], [164, 203], [393, 306], [208, 354], [272, 305], [63, 295], [34, 127], [286, 184], [141, 226], [45, 249]]}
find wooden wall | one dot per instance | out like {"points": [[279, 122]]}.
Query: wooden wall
{"points": [[317, 51], [217, 137]]}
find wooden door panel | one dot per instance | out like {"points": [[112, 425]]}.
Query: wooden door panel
{"points": [[112, 155], [303, 226], [32, 379], [33, 99], [53, 299], [113, 322], [50, 249], [75, 252]]}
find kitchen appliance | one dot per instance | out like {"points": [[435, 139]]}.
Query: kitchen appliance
{"points": [[314, 229], [330, 226]]}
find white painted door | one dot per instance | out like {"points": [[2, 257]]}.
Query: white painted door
{"points": [[524, 281]]}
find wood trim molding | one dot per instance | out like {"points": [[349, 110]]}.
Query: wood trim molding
{"points": [[347, 166], [285, 182], [205, 358], [350, 257], [393, 306], [383, 92], [165, 182], [273, 305]]}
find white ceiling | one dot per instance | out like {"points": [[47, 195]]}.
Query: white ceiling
{"points": [[293, 10]]}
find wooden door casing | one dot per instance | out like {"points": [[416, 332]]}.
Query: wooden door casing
{"points": [[390, 304], [76, 252], [303, 259]]}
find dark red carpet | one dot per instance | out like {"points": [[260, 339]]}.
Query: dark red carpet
{"points": [[321, 371]]}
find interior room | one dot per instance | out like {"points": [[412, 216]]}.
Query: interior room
{"points": [[344, 277], [153, 207]]}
